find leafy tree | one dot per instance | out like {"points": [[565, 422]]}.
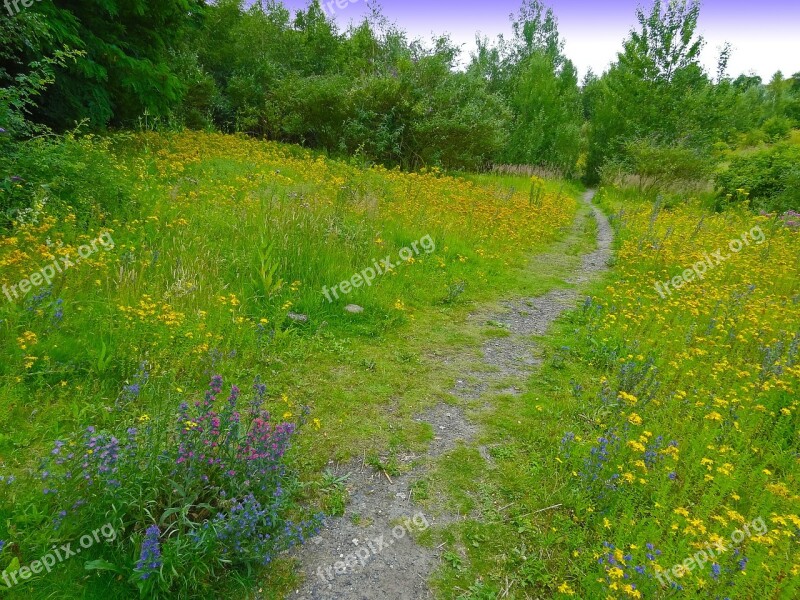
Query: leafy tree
{"points": [[540, 85], [125, 64], [655, 90]]}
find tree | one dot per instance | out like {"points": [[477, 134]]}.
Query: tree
{"points": [[125, 66], [656, 90], [531, 72]]}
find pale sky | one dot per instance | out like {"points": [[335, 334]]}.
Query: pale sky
{"points": [[765, 35]]}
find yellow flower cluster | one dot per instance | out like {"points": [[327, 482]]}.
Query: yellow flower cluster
{"points": [[726, 350]]}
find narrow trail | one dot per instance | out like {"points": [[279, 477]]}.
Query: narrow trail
{"points": [[384, 564]]}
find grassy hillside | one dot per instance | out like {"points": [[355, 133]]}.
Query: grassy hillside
{"points": [[221, 268], [661, 427]]}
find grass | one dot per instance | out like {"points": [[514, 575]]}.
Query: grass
{"points": [[228, 237], [713, 370]]}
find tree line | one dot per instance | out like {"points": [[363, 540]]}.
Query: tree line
{"points": [[370, 91]]}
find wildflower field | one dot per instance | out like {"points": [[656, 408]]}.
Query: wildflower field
{"points": [[328, 299], [182, 383], [656, 453], [118, 385], [690, 450]]}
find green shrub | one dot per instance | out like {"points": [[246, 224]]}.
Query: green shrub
{"points": [[749, 139], [770, 178], [777, 128], [69, 174]]}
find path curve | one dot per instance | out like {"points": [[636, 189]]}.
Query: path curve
{"points": [[385, 565]]}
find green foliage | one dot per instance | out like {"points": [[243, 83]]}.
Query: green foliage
{"points": [[20, 96], [125, 66], [664, 167], [770, 177], [540, 85], [656, 90], [777, 128]]}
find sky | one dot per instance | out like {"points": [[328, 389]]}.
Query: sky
{"points": [[765, 34]]}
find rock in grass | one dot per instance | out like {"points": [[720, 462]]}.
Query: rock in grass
{"points": [[298, 318], [354, 308]]}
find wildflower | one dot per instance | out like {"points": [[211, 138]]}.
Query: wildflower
{"points": [[743, 563], [565, 588], [634, 445], [150, 556]]}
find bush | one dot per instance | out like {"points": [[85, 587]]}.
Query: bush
{"points": [[69, 174], [777, 128], [209, 492], [770, 178], [656, 167], [752, 138]]}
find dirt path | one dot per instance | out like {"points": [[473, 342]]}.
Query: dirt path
{"points": [[373, 543]]}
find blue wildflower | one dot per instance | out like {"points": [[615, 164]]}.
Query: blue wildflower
{"points": [[150, 556], [743, 563]]}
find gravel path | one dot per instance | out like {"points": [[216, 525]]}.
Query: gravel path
{"points": [[377, 558]]}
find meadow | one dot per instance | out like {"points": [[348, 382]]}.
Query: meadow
{"points": [[273, 279], [215, 271], [662, 427], [663, 430]]}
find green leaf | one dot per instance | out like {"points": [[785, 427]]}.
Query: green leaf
{"points": [[101, 565]]}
